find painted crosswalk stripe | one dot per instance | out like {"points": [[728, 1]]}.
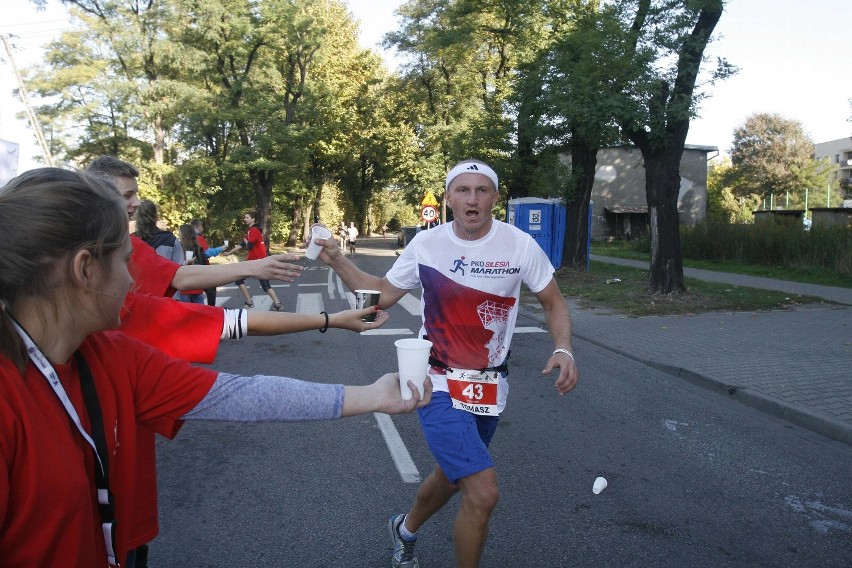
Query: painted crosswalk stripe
{"points": [[383, 331], [411, 304], [310, 303], [397, 448], [530, 330]]}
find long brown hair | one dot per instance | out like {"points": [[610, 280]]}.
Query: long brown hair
{"points": [[189, 242], [47, 215], [146, 218]]}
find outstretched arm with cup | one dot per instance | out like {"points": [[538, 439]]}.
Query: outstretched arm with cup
{"points": [[274, 267], [354, 277], [265, 398]]}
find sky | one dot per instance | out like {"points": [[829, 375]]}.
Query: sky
{"points": [[793, 59]]}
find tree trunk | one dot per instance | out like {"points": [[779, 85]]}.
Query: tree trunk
{"points": [[159, 141], [297, 214], [262, 181], [662, 184], [584, 161]]}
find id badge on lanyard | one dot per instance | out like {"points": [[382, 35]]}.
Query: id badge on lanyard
{"points": [[474, 391]]}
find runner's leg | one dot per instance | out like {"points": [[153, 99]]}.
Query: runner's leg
{"points": [[435, 491], [479, 496]]}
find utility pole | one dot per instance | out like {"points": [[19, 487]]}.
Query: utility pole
{"points": [[26, 100]]}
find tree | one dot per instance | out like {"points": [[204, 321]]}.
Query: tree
{"points": [[462, 59], [665, 43], [565, 99], [772, 156], [725, 203]]}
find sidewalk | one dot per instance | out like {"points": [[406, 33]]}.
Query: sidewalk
{"points": [[794, 364]]}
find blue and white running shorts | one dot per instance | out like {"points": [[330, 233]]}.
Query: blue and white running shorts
{"points": [[457, 439]]}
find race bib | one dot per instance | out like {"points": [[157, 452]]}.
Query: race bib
{"points": [[474, 391]]}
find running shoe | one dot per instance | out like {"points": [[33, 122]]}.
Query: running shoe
{"points": [[403, 550]]}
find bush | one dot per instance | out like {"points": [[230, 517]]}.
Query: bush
{"points": [[770, 244]]}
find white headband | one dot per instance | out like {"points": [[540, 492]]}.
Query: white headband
{"points": [[471, 168]]}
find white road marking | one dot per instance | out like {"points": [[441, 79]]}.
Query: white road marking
{"points": [[397, 448], [530, 330], [310, 303], [383, 331], [330, 284], [411, 304]]}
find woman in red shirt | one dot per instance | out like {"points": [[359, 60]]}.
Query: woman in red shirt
{"points": [[73, 393], [253, 243]]}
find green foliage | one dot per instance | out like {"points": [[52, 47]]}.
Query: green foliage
{"points": [[724, 203], [771, 155]]}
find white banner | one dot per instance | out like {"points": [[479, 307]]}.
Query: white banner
{"points": [[8, 161]]}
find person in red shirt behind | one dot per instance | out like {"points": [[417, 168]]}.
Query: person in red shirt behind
{"points": [[153, 274], [253, 243], [198, 227], [74, 392], [188, 331]]}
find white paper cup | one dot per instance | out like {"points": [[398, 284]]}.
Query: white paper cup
{"points": [[600, 485], [317, 232], [366, 299], [413, 358], [189, 255], [226, 243]]}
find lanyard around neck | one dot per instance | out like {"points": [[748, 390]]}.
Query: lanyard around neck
{"points": [[98, 445]]}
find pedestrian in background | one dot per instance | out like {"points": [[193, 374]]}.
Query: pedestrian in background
{"points": [[253, 243], [147, 228], [190, 245], [209, 252]]}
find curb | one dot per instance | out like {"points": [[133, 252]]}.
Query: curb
{"points": [[808, 419]]}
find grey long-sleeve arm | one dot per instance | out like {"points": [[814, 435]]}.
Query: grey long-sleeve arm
{"points": [[265, 398]]}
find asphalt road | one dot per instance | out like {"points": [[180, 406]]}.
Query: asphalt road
{"points": [[695, 479]]}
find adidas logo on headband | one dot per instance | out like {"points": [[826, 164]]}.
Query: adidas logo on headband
{"points": [[468, 167]]}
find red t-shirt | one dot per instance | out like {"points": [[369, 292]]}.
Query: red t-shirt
{"points": [[48, 503], [187, 331], [202, 242], [254, 237], [152, 274], [183, 330]]}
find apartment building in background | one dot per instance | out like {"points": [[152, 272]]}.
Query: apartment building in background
{"points": [[839, 154]]}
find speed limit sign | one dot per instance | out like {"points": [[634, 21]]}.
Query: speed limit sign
{"points": [[428, 213]]}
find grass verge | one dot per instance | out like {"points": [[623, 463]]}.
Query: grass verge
{"points": [[620, 249], [622, 289]]}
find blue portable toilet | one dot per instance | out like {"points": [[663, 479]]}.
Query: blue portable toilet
{"points": [[543, 220]]}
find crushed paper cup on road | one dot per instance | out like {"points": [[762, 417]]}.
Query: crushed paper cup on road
{"points": [[317, 232], [600, 485]]}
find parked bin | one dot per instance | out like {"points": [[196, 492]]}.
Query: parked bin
{"points": [[543, 220]]}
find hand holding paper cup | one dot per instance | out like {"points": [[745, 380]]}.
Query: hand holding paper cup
{"points": [[367, 299], [189, 255], [413, 358], [317, 232], [226, 243]]}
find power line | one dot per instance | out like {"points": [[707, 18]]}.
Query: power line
{"points": [[25, 99]]}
